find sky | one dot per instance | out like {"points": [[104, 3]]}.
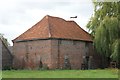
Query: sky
{"points": [[16, 16]]}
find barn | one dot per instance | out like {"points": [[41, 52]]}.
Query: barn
{"points": [[55, 43]]}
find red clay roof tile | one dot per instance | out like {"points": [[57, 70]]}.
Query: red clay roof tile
{"points": [[54, 27]]}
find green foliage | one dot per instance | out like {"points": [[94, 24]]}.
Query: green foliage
{"points": [[106, 35], [105, 27], [4, 39], [116, 49]]}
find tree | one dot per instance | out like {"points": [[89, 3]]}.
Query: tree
{"points": [[4, 39], [105, 28]]}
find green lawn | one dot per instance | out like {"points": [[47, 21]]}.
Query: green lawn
{"points": [[107, 73]]}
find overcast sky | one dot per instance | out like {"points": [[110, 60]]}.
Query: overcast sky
{"points": [[16, 16]]}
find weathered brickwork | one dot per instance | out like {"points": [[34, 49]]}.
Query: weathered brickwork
{"points": [[73, 49], [29, 54], [52, 54]]}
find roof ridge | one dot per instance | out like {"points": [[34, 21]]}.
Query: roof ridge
{"points": [[49, 29]]}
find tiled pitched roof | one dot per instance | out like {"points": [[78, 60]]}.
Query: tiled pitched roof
{"points": [[54, 27]]}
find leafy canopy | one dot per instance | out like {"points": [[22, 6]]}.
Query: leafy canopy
{"points": [[105, 28]]}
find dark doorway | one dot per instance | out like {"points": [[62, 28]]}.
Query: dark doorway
{"points": [[86, 62], [41, 64]]}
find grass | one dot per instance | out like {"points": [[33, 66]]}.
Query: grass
{"points": [[107, 73]]}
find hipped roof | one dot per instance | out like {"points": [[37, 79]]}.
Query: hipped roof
{"points": [[55, 27]]}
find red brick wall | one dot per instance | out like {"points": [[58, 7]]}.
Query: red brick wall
{"points": [[52, 53], [73, 49], [28, 54]]}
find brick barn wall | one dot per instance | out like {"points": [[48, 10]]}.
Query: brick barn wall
{"points": [[52, 54], [73, 49], [29, 54]]}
